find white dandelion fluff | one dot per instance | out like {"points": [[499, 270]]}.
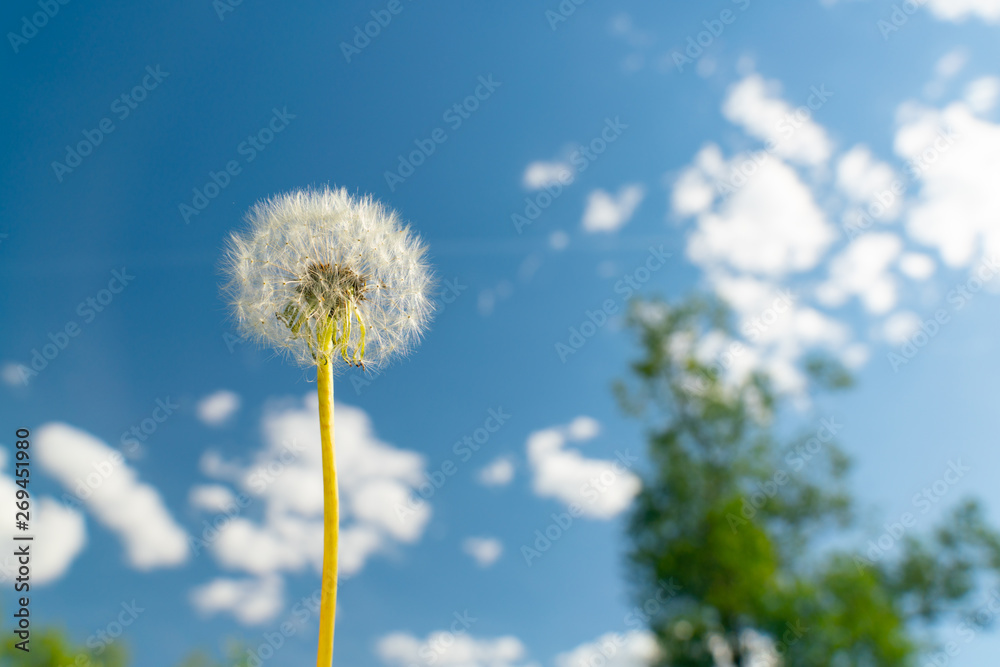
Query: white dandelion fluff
{"points": [[321, 274]]}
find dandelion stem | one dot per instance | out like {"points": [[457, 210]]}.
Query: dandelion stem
{"points": [[331, 518]]}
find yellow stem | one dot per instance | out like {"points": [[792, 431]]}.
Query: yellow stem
{"points": [[331, 517]]}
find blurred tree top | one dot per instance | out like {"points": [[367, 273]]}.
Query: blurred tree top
{"points": [[51, 648], [758, 538]]}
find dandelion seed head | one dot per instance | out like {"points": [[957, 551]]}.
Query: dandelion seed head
{"points": [[320, 274]]}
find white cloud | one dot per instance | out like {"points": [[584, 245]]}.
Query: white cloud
{"points": [[693, 192], [771, 225], [776, 324], [948, 10], [484, 550], [623, 26], [583, 428], [558, 240], [981, 95], [215, 409], [959, 10], [608, 213], [945, 70], [601, 488], [450, 650], [951, 63], [244, 545], [778, 329], [957, 156], [59, 532], [748, 295], [754, 105], [637, 648], [856, 355], [251, 601], [898, 327], [862, 270], [861, 177], [285, 478], [758, 221], [540, 175], [112, 493], [213, 465], [498, 473], [357, 544], [917, 266], [11, 374], [212, 498], [60, 535]]}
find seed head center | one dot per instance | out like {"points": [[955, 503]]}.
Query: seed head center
{"points": [[333, 286]]}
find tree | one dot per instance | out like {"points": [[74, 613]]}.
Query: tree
{"points": [[757, 531], [51, 648], [235, 657]]}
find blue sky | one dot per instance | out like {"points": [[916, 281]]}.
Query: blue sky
{"points": [[825, 106]]}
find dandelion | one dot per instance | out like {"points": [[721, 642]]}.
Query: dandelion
{"points": [[332, 281]]}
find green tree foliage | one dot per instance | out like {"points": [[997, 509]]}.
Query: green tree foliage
{"points": [[236, 653], [51, 648], [759, 531]]}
